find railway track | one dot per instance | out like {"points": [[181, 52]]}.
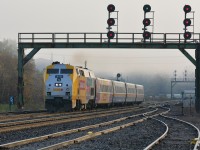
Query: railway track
{"points": [[11, 117], [22, 112], [179, 134], [46, 117], [84, 133], [33, 123], [20, 117], [28, 115]]}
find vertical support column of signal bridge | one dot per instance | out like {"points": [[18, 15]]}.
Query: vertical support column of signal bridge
{"points": [[197, 80], [20, 86]]}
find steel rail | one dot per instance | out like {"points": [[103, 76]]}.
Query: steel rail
{"points": [[59, 117], [62, 133], [160, 138], [93, 135], [165, 112], [31, 116], [23, 112], [188, 123], [67, 120]]}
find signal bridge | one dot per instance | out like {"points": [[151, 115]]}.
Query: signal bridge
{"points": [[145, 40], [97, 40], [38, 41]]}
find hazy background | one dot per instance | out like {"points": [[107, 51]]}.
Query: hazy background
{"points": [[91, 16], [151, 68]]}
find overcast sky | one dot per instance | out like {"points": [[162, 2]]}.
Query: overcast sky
{"points": [[91, 16]]}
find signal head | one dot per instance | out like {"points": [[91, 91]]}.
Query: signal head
{"points": [[187, 8], [147, 8], [111, 8], [111, 21], [146, 35], [110, 34], [118, 75], [146, 22], [187, 22], [187, 35]]}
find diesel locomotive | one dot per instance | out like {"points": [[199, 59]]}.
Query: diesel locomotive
{"points": [[69, 87]]}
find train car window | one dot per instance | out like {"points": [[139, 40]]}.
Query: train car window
{"points": [[52, 71], [131, 90], [103, 89], [92, 75], [86, 73], [100, 88], [66, 71], [110, 89], [140, 91], [81, 72], [119, 89], [77, 71], [92, 91]]}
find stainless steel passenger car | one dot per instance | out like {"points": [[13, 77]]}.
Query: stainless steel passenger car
{"points": [[119, 92], [104, 91]]}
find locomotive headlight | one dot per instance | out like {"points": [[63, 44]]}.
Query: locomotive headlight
{"points": [[58, 84]]}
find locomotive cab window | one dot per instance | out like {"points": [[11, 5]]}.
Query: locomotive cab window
{"points": [[52, 71], [77, 71], [66, 71], [81, 72], [92, 92]]}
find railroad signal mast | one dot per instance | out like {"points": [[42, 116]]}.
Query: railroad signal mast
{"points": [[187, 22], [147, 22], [111, 21]]}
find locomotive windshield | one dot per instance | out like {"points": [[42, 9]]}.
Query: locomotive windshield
{"points": [[66, 71], [52, 71], [62, 71]]}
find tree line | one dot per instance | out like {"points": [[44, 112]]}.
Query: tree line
{"points": [[33, 79]]}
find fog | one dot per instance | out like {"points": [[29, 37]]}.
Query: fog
{"points": [[91, 16]]}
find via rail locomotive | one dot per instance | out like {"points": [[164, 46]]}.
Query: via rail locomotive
{"points": [[70, 87]]}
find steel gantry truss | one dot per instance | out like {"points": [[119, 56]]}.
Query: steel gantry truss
{"points": [[38, 41]]}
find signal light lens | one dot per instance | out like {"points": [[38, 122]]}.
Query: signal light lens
{"points": [[111, 8], [110, 34], [111, 21], [146, 35], [147, 8], [146, 22], [187, 8], [187, 35], [187, 22]]}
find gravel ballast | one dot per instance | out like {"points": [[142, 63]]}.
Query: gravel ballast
{"points": [[35, 132]]}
